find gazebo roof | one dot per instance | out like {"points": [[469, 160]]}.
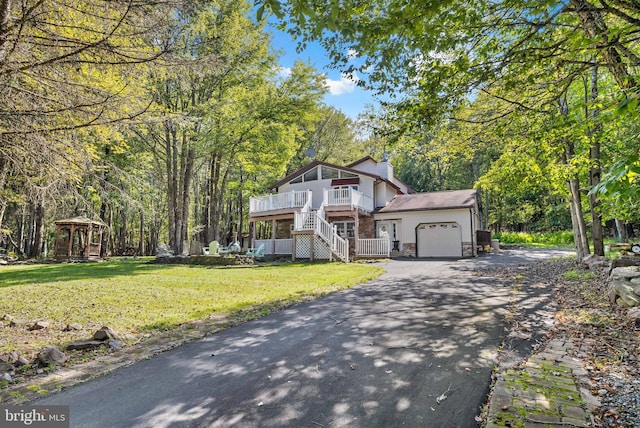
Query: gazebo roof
{"points": [[80, 220]]}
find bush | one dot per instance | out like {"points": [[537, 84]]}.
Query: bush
{"points": [[562, 238]]}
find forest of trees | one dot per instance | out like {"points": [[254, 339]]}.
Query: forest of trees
{"points": [[162, 118]]}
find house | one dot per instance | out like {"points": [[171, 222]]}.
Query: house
{"points": [[326, 211]]}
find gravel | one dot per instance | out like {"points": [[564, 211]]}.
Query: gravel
{"points": [[560, 298]]}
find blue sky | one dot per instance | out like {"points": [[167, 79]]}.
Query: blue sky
{"points": [[343, 92]]}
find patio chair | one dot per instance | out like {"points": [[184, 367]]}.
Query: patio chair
{"points": [[256, 253], [212, 249]]}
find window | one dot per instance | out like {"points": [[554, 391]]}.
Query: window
{"points": [[311, 175], [352, 186], [346, 229], [345, 174], [330, 173]]}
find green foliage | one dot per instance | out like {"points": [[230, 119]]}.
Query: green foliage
{"points": [[562, 238]]}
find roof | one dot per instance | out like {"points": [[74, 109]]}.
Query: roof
{"points": [[79, 220], [432, 201], [359, 161], [315, 163]]}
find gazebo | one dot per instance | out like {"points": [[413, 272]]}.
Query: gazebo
{"points": [[78, 238]]}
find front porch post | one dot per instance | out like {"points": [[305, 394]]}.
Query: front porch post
{"points": [[357, 234], [273, 237], [252, 237]]}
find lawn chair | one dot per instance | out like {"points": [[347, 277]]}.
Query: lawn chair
{"points": [[212, 249], [223, 251], [256, 253]]}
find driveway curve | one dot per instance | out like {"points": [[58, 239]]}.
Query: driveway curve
{"points": [[414, 347]]}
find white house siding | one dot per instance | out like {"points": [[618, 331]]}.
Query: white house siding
{"points": [[384, 194], [369, 166], [412, 219]]}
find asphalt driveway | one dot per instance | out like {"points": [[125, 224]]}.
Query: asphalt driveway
{"points": [[414, 348]]}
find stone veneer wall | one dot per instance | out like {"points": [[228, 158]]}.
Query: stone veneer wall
{"points": [[467, 249], [366, 228], [409, 250], [283, 229]]}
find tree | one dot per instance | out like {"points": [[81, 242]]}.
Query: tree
{"points": [[69, 70]]}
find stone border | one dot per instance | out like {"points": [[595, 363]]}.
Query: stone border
{"points": [[550, 390]]}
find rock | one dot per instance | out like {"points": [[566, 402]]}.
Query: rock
{"points": [[5, 367], [39, 325], [17, 323], [7, 317], [116, 344], [72, 327], [21, 361], [105, 333], [5, 358], [14, 356], [593, 262], [51, 355], [626, 272], [84, 344], [7, 377], [621, 287]]}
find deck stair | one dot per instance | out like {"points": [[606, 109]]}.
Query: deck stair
{"points": [[312, 221]]}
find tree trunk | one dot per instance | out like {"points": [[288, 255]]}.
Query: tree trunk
{"points": [[575, 200], [122, 236], [5, 11], [594, 26], [36, 229], [172, 186], [577, 220], [141, 243], [595, 132], [621, 227]]}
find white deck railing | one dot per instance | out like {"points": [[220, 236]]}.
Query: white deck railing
{"points": [[377, 247], [279, 201], [350, 197], [312, 221]]}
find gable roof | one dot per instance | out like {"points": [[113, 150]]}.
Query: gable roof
{"points": [[359, 161], [432, 201], [315, 163]]}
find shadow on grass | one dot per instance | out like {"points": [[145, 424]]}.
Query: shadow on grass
{"points": [[46, 273]]}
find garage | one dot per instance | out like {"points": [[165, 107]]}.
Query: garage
{"points": [[439, 240], [434, 224]]}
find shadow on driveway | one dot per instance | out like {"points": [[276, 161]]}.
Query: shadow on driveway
{"points": [[414, 347]]}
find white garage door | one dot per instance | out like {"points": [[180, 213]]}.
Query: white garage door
{"points": [[439, 240]]}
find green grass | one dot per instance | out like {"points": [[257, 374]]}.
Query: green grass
{"points": [[575, 275], [134, 297]]}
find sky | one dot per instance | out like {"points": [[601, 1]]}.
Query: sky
{"points": [[343, 93]]}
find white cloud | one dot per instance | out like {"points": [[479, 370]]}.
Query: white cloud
{"points": [[352, 54], [284, 72], [345, 85]]}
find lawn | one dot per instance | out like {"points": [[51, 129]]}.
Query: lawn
{"points": [[134, 297]]}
